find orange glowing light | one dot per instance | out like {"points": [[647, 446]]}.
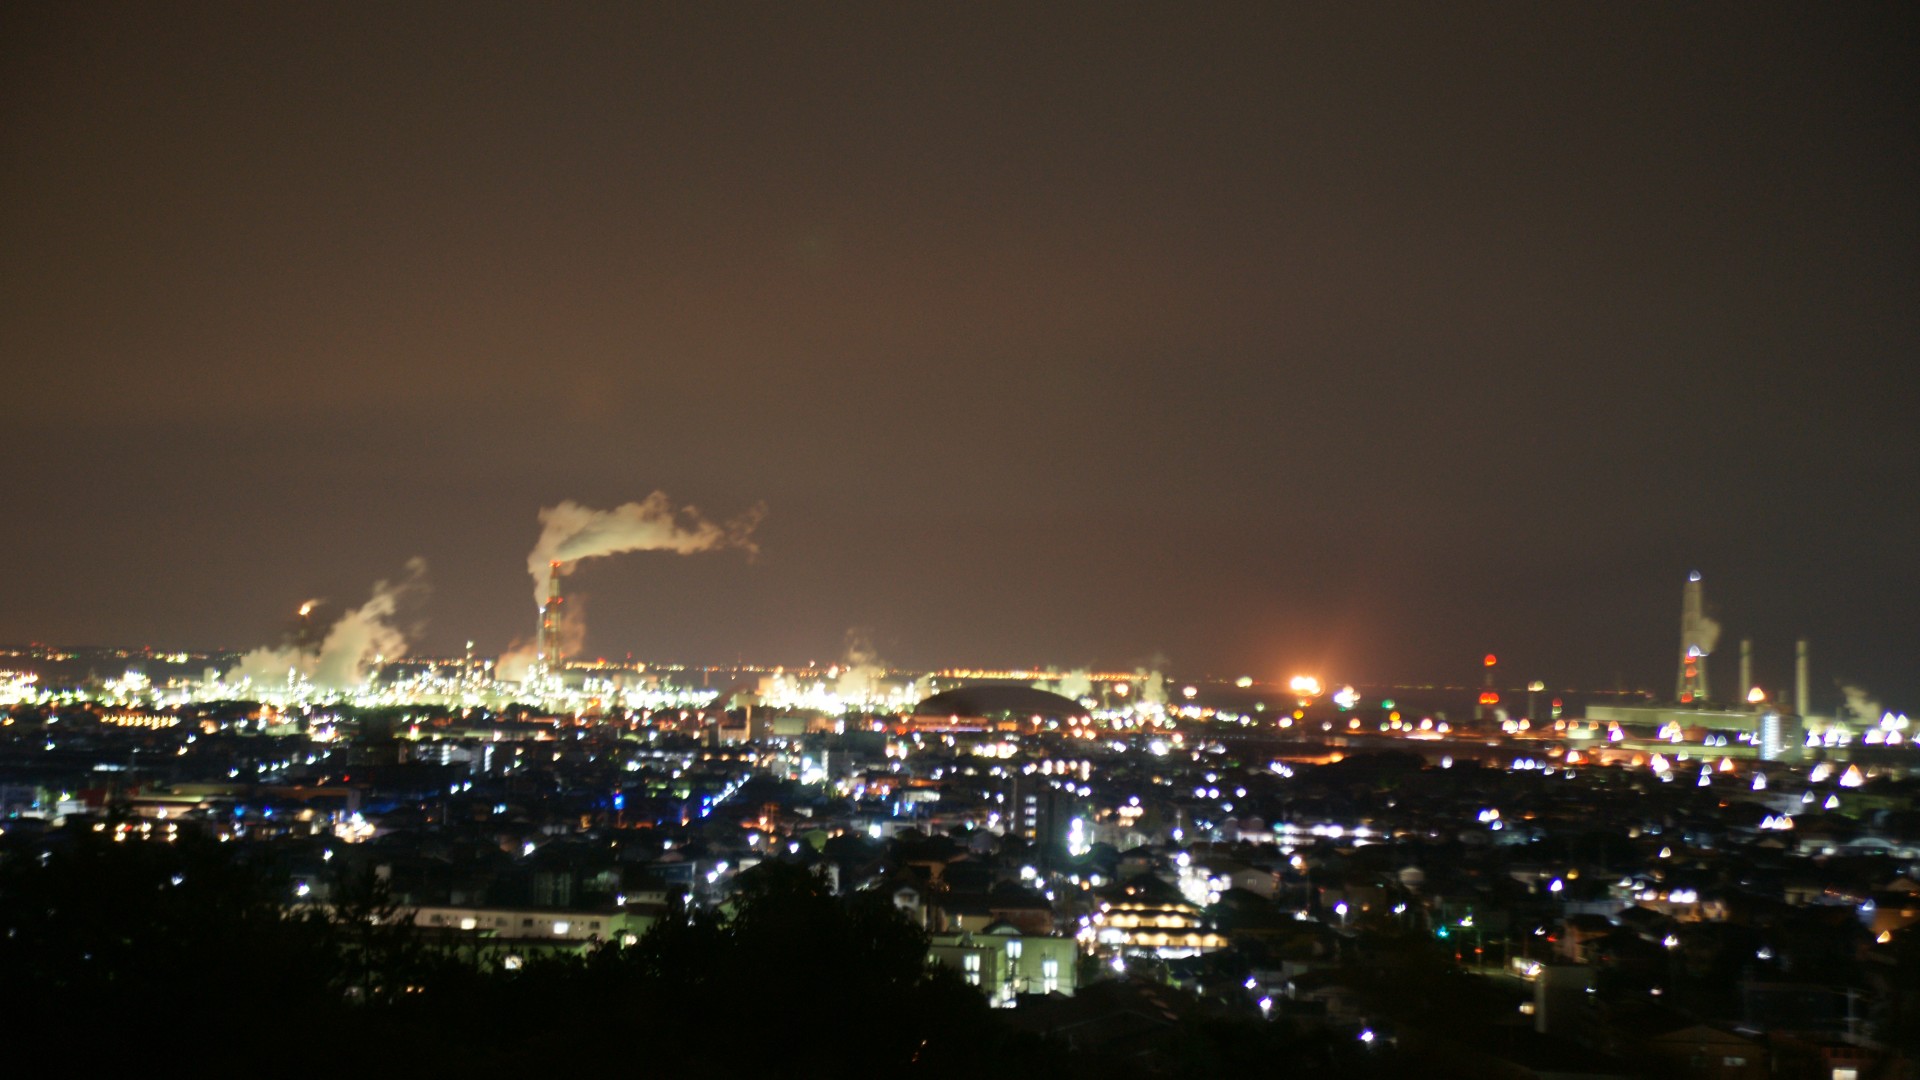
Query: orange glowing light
{"points": [[1491, 660]]}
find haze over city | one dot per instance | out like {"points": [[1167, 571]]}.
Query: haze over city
{"points": [[1250, 337], [961, 540]]}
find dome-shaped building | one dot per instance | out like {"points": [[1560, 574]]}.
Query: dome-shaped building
{"points": [[993, 707]]}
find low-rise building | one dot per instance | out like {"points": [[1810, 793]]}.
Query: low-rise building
{"points": [[543, 925], [1005, 963]]}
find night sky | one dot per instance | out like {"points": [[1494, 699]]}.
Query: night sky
{"points": [[1247, 339]]}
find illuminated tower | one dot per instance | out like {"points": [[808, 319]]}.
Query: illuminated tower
{"points": [[549, 652], [1697, 636]]}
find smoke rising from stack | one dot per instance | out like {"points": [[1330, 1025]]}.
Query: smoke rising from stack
{"points": [[1864, 707], [571, 532], [310, 625], [862, 672], [1697, 630], [1705, 635], [1150, 687], [1075, 684], [342, 656]]}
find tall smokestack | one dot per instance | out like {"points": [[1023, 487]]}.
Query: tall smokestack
{"points": [[549, 658], [1697, 636], [1746, 668], [570, 533], [1800, 677]]}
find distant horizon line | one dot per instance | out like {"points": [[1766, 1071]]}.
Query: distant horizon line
{"points": [[61, 653]]}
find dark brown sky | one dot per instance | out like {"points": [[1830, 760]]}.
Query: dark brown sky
{"points": [[1258, 338]]}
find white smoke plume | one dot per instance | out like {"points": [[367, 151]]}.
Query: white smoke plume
{"points": [[516, 663], [1864, 706], [1700, 633], [521, 656], [922, 688], [343, 657], [1707, 634], [1150, 687], [862, 672], [571, 532], [1075, 684]]}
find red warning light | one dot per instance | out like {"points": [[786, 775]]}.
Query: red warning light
{"points": [[1488, 697], [1491, 660]]}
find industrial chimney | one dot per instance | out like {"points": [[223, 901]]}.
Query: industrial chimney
{"points": [[1697, 634], [549, 652], [1746, 669], [1800, 677]]}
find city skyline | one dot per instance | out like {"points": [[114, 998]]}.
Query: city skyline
{"points": [[962, 540]]}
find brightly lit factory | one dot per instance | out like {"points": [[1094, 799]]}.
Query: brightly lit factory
{"points": [[1751, 724]]}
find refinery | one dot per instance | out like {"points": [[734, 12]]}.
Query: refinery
{"points": [[1067, 842], [361, 661]]}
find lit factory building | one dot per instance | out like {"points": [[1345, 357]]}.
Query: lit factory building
{"points": [[1752, 725]]}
